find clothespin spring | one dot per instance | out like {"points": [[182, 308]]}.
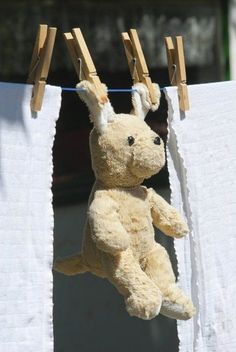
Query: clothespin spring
{"points": [[35, 66], [174, 73], [134, 61], [80, 68]]}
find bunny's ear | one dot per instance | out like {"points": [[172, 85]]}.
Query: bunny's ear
{"points": [[100, 113], [141, 100]]}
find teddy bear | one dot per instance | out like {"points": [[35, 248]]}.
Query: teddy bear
{"points": [[119, 240]]}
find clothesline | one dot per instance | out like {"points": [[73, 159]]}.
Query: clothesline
{"points": [[110, 90], [69, 89]]}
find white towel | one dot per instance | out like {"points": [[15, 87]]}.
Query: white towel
{"points": [[202, 167], [26, 219]]}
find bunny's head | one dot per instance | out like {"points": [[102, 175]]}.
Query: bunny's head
{"points": [[124, 149]]}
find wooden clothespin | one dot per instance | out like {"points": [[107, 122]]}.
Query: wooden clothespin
{"points": [[177, 71], [136, 61], [83, 62], [40, 63]]}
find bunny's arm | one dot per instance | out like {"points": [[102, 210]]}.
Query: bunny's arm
{"points": [[106, 229], [165, 217]]}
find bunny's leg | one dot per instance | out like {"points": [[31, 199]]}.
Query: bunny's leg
{"points": [[175, 303], [142, 297]]}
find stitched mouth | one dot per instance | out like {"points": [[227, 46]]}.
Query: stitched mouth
{"points": [[146, 171]]}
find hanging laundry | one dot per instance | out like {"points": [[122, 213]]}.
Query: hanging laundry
{"points": [[26, 218], [202, 166]]}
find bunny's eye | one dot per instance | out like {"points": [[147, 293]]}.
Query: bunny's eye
{"points": [[131, 140], [157, 140]]}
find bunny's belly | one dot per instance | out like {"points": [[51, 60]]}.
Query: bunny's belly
{"points": [[134, 213], [139, 228], [135, 216]]}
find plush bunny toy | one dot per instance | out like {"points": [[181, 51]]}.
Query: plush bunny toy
{"points": [[119, 239]]}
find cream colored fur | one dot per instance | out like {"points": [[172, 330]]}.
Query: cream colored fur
{"points": [[119, 241]]}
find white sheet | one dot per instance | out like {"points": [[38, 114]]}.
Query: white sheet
{"points": [[26, 219], [202, 166]]}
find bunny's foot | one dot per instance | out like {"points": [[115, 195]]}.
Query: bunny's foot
{"points": [[145, 306], [176, 305], [158, 267]]}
